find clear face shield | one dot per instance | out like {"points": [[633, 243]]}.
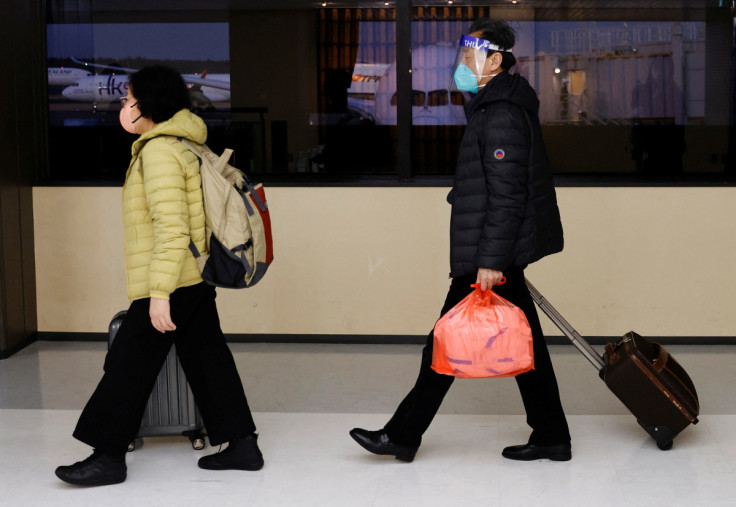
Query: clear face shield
{"points": [[470, 62]]}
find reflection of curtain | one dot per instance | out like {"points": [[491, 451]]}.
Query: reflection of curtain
{"points": [[352, 143], [64, 11], [435, 147], [449, 22], [339, 37], [70, 30]]}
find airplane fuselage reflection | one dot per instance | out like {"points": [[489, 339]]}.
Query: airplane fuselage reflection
{"points": [[110, 87], [65, 76]]}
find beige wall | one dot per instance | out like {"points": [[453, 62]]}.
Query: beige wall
{"points": [[375, 261]]}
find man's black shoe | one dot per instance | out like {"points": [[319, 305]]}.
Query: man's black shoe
{"points": [[240, 454], [530, 452], [97, 470], [378, 442]]}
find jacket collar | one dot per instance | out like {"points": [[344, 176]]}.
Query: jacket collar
{"points": [[506, 87], [183, 124]]}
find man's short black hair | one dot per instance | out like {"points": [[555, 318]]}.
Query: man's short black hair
{"points": [[161, 92], [499, 33]]}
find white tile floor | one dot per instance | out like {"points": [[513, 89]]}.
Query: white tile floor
{"points": [[311, 460]]}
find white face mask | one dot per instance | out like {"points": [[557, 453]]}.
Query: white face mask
{"points": [[125, 120]]}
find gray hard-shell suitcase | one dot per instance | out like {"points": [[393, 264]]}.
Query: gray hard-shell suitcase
{"points": [[171, 410], [642, 374]]}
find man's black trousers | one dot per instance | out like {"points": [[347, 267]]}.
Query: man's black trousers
{"points": [[538, 387], [113, 415]]}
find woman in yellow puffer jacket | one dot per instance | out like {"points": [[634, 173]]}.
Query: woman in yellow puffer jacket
{"points": [[170, 304]]}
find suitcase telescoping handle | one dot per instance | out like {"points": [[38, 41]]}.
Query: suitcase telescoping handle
{"points": [[580, 343]]}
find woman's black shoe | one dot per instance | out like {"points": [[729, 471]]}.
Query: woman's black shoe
{"points": [[529, 452], [97, 470], [240, 454], [378, 442]]}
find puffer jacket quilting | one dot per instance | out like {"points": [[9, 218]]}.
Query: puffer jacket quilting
{"points": [[504, 207], [163, 209]]}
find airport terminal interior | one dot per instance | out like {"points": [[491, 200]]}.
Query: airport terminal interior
{"points": [[351, 114], [307, 397]]}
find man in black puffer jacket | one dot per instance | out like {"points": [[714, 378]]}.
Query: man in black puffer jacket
{"points": [[504, 217]]}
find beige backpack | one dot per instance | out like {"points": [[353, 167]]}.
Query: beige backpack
{"points": [[237, 223]]}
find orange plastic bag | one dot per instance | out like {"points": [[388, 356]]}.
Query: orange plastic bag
{"points": [[483, 336]]}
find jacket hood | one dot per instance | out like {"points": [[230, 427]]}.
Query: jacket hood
{"points": [[507, 87], [183, 124]]}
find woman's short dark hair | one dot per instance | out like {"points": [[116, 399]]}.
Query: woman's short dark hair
{"points": [[161, 92], [499, 33]]}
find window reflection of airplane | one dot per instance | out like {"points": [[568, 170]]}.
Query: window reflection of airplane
{"points": [[363, 85], [205, 89], [432, 102], [64, 76]]}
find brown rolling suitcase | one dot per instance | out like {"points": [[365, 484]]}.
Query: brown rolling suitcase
{"points": [[642, 374]]}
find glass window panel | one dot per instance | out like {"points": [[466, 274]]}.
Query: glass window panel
{"points": [[357, 46], [299, 104], [622, 91], [438, 126]]}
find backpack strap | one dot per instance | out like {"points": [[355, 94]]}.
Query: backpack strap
{"points": [[193, 147], [194, 250], [199, 151], [257, 198]]}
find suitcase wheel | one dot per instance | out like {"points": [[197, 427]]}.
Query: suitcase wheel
{"points": [[136, 443], [665, 446], [661, 434], [196, 437]]}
